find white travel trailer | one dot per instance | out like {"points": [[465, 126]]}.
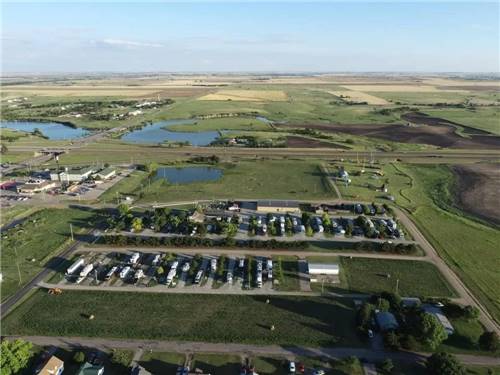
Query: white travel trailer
{"points": [[75, 266]]}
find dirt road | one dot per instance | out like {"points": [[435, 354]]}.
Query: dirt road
{"points": [[245, 349]]}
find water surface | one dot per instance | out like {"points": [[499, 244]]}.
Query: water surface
{"points": [[52, 130]]}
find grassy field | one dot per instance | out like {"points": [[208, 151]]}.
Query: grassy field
{"points": [[162, 363], [469, 248], [290, 281], [259, 179], [15, 212], [27, 249], [214, 318], [486, 118], [227, 123], [416, 278], [367, 186], [127, 185]]}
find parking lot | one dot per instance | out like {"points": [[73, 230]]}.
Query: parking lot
{"points": [[175, 272]]}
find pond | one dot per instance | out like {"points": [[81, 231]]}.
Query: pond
{"points": [[186, 175], [52, 130], [155, 134]]}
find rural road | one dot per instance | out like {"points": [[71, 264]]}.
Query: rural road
{"points": [[245, 349], [6, 306]]}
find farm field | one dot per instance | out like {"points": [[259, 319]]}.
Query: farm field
{"points": [[416, 278], [469, 248], [351, 96], [260, 179], [212, 318], [31, 245], [228, 123], [246, 95], [486, 118]]}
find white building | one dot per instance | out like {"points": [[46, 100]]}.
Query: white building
{"points": [[323, 272], [72, 175]]}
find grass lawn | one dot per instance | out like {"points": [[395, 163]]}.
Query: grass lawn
{"points": [[290, 280], [35, 241], [416, 278], [219, 364], [312, 321], [162, 363], [367, 186], [260, 179], [465, 339], [279, 366]]}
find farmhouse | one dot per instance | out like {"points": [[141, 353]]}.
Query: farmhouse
{"points": [[106, 173], [386, 321], [72, 175], [275, 206], [54, 366], [443, 320], [36, 187]]}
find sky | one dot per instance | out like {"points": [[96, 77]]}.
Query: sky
{"points": [[250, 37]]}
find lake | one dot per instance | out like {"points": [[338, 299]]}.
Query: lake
{"points": [[155, 134], [186, 175], [52, 130]]}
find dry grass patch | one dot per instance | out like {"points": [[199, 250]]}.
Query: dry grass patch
{"points": [[396, 88], [127, 91], [247, 95], [358, 97]]}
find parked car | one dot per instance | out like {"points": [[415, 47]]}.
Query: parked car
{"points": [[291, 367]]}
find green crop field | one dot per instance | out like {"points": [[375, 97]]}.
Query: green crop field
{"points": [[27, 248], [416, 278], [287, 179], [482, 118], [310, 321], [469, 248]]}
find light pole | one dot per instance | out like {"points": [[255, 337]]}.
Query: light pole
{"points": [[71, 231]]}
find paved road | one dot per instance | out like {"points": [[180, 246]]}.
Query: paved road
{"points": [[244, 349]]}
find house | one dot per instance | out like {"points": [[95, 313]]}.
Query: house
{"points": [[53, 366], [90, 369], [437, 312], [410, 301], [8, 185], [36, 187], [72, 175], [106, 173], [275, 206], [386, 321]]}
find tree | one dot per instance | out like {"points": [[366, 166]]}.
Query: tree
{"points": [[309, 231], [471, 312], [79, 357], [489, 341], [15, 356], [137, 224], [431, 331], [3, 149], [160, 271], [123, 209], [387, 366], [444, 364]]}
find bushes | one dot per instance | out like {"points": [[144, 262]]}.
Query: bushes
{"points": [[387, 247], [184, 241]]}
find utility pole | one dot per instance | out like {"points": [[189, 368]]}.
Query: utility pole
{"points": [[397, 286], [71, 231]]}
